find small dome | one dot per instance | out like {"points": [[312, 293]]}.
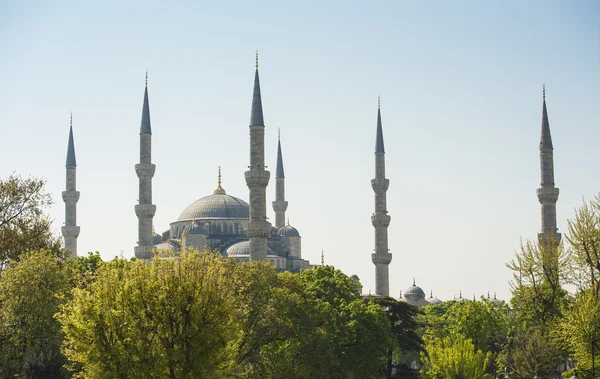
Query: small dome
{"points": [[194, 228], [288, 231], [355, 277], [414, 290], [242, 249], [433, 300], [156, 238]]}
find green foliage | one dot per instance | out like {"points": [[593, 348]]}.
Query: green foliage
{"points": [[584, 238], [31, 291], [454, 357], [23, 224], [164, 318], [580, 325]]}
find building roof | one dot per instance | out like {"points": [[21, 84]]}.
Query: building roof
{"points": [[219, 206]]}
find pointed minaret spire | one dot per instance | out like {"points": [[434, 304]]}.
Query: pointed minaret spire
{"points": [[380, 219], [70, 230], [279, 205], [256, 115], [145, 210], [547, 194], [257, 179]]}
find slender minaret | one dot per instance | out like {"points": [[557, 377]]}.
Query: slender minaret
{"points": [[547, 194], [380, 219], [145, 171], [279, 205], [71, 231], [257, 179]]}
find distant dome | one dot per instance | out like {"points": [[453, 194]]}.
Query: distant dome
{"points": [[288, 231], [194, 228], [433, 300], [355, 277], [156, 238], [414, 290], [242, 249], [216, 206]]}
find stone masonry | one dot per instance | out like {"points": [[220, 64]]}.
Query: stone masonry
{"points": [[380, 219], [145, 210]]}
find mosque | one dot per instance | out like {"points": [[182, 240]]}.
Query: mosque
{"points": [[240, 230]]}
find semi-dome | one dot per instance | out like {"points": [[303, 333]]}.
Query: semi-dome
{"points": [[288, 231], [194, 228], [242, 249], [214, 207]]}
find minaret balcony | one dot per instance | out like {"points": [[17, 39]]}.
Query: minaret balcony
{"points": [[381, 220], [70, 231], [381, 258], [145, 170], [547, 195], [380, 185], [145, 210], [258, 229], [257, 178], [70, 197], [280, 205]]}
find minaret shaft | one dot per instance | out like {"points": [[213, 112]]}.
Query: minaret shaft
{"points": [[257, 179], [279, 205], [547, 193], [380, 219], [145, 210], [70, 230]]}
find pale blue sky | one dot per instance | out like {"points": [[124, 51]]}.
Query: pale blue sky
{"points": [[460, 85]]}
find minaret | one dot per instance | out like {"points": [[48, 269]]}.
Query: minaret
{"points": [[380, 219], [279, 205], [547, 194], [145, 171], [71, 231], [257, 179]]}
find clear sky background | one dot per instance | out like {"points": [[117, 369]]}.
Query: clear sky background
{"points": [[460, 85]]}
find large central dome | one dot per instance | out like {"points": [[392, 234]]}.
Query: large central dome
{"points": [[218, 205]]}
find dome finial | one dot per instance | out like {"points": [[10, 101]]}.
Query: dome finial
{"points": [[460, 294], [414, 282], [146, 78], [288, 222], [322, 258], [219, 190], [431, 294], [256, 64]]}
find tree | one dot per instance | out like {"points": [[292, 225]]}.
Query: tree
{"points": [[23, 224], [170, 317], [31, 292], [538, 271], [584, 238], [404, 326], [580, 325], [454, 357]]}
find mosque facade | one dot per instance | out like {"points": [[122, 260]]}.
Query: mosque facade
{"points": [[241, 230]]}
